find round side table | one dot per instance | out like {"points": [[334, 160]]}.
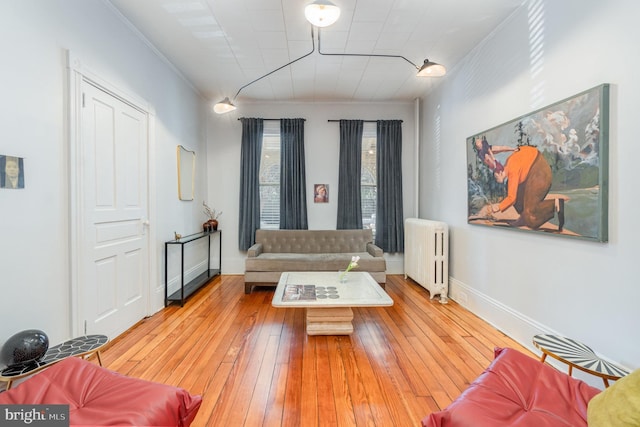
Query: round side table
{"points": [[80, 347], [577, 355]]}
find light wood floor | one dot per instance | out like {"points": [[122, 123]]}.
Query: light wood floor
{"points": [[254, 365]]}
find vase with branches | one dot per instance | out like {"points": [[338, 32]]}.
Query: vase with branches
{"points": [[212, 223]]}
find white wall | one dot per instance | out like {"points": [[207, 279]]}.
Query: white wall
{"points": [[322, 141], [523, 283], [526, 283], [34, 38]]}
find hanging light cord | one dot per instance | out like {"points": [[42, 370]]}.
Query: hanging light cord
{"points": [[362, 54], [313, 49]]}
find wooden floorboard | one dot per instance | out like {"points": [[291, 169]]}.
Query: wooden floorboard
{"points": [[254, 365]]}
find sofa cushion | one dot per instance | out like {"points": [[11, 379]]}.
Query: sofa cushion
{"points": [[314, 241], [618, 405], [517, 390], [97, 396], [269, 261]]}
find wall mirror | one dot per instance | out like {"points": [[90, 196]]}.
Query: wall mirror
{"points": [[186, 173]]}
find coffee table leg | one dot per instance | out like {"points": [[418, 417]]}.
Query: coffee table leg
{"points": [[329, 321]]}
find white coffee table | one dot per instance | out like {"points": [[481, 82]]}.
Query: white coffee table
{"points": [[328, 301]]}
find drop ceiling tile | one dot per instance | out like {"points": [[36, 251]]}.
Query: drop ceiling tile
{"points": [[275, 58], [360, 46], [267, 20], [198, 21], [361, 31], [391, 41], [183, 7], [372, 10], [272, 40], [221, 45]]}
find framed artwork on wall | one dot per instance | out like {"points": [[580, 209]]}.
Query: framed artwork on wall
{"points": [[186, 173], [11, 172], [545, 172], [320, 193]]}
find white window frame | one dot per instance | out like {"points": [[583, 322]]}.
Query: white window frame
{"points": [[368, 180], [269, 176]]}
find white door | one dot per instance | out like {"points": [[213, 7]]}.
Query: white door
{"points": [[114, 272]]}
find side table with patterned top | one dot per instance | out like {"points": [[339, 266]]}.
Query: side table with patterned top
{"points": [[80, 347], [577, 355]]}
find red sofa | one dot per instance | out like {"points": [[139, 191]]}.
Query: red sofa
{"points": [[97, 396], [520, 391]]}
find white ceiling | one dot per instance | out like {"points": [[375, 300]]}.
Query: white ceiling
{"points": [[221, 45]]}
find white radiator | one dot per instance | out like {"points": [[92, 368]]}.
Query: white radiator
{"points": [[426, 255]]}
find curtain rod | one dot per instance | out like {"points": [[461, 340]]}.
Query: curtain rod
{"points": [[366, 121], [271, 120]]}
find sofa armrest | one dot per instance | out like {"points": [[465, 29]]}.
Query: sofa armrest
{"points": [[254, 250], [374, 250]]}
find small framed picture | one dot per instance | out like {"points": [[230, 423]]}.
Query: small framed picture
{"points": [[11, 172], [321, 193]]}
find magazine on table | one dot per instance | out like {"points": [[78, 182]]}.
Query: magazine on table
{"points": [[299, 293]]}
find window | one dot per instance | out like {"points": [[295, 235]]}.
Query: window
{"points": [[368, 186], [270, 176]]}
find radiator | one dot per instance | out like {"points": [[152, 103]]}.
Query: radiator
{"points": [[426, 255]]}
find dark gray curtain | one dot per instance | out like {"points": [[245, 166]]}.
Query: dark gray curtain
{"points": [[250, 152], [349, 175], [389, 215], [293, 195]]}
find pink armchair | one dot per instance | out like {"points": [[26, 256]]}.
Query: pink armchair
{"points": [[97, 396], [518, 391]]}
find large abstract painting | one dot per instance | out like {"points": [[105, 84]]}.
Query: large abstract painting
{"points": [[545, 172]]}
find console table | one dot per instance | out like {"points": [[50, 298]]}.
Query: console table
{"points": [[186, 289]]}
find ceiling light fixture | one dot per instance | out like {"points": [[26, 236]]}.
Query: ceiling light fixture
{"points": [[431, 69], [322, 13], [428, 69], [224, 106]]}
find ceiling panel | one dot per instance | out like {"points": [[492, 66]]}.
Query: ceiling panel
{"points": [[222, 45]]}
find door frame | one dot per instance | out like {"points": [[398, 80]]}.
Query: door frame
{"points": [[77, 73]]}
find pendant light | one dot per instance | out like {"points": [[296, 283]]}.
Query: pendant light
{"points": [[431, 69], [322, 13], [224, 106]]}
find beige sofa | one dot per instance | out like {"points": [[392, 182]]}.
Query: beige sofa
{"points": [[276, 251]]}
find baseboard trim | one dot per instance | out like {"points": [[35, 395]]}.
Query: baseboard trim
{"points": [[507, 320], [189, 275], [512, 323]]}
